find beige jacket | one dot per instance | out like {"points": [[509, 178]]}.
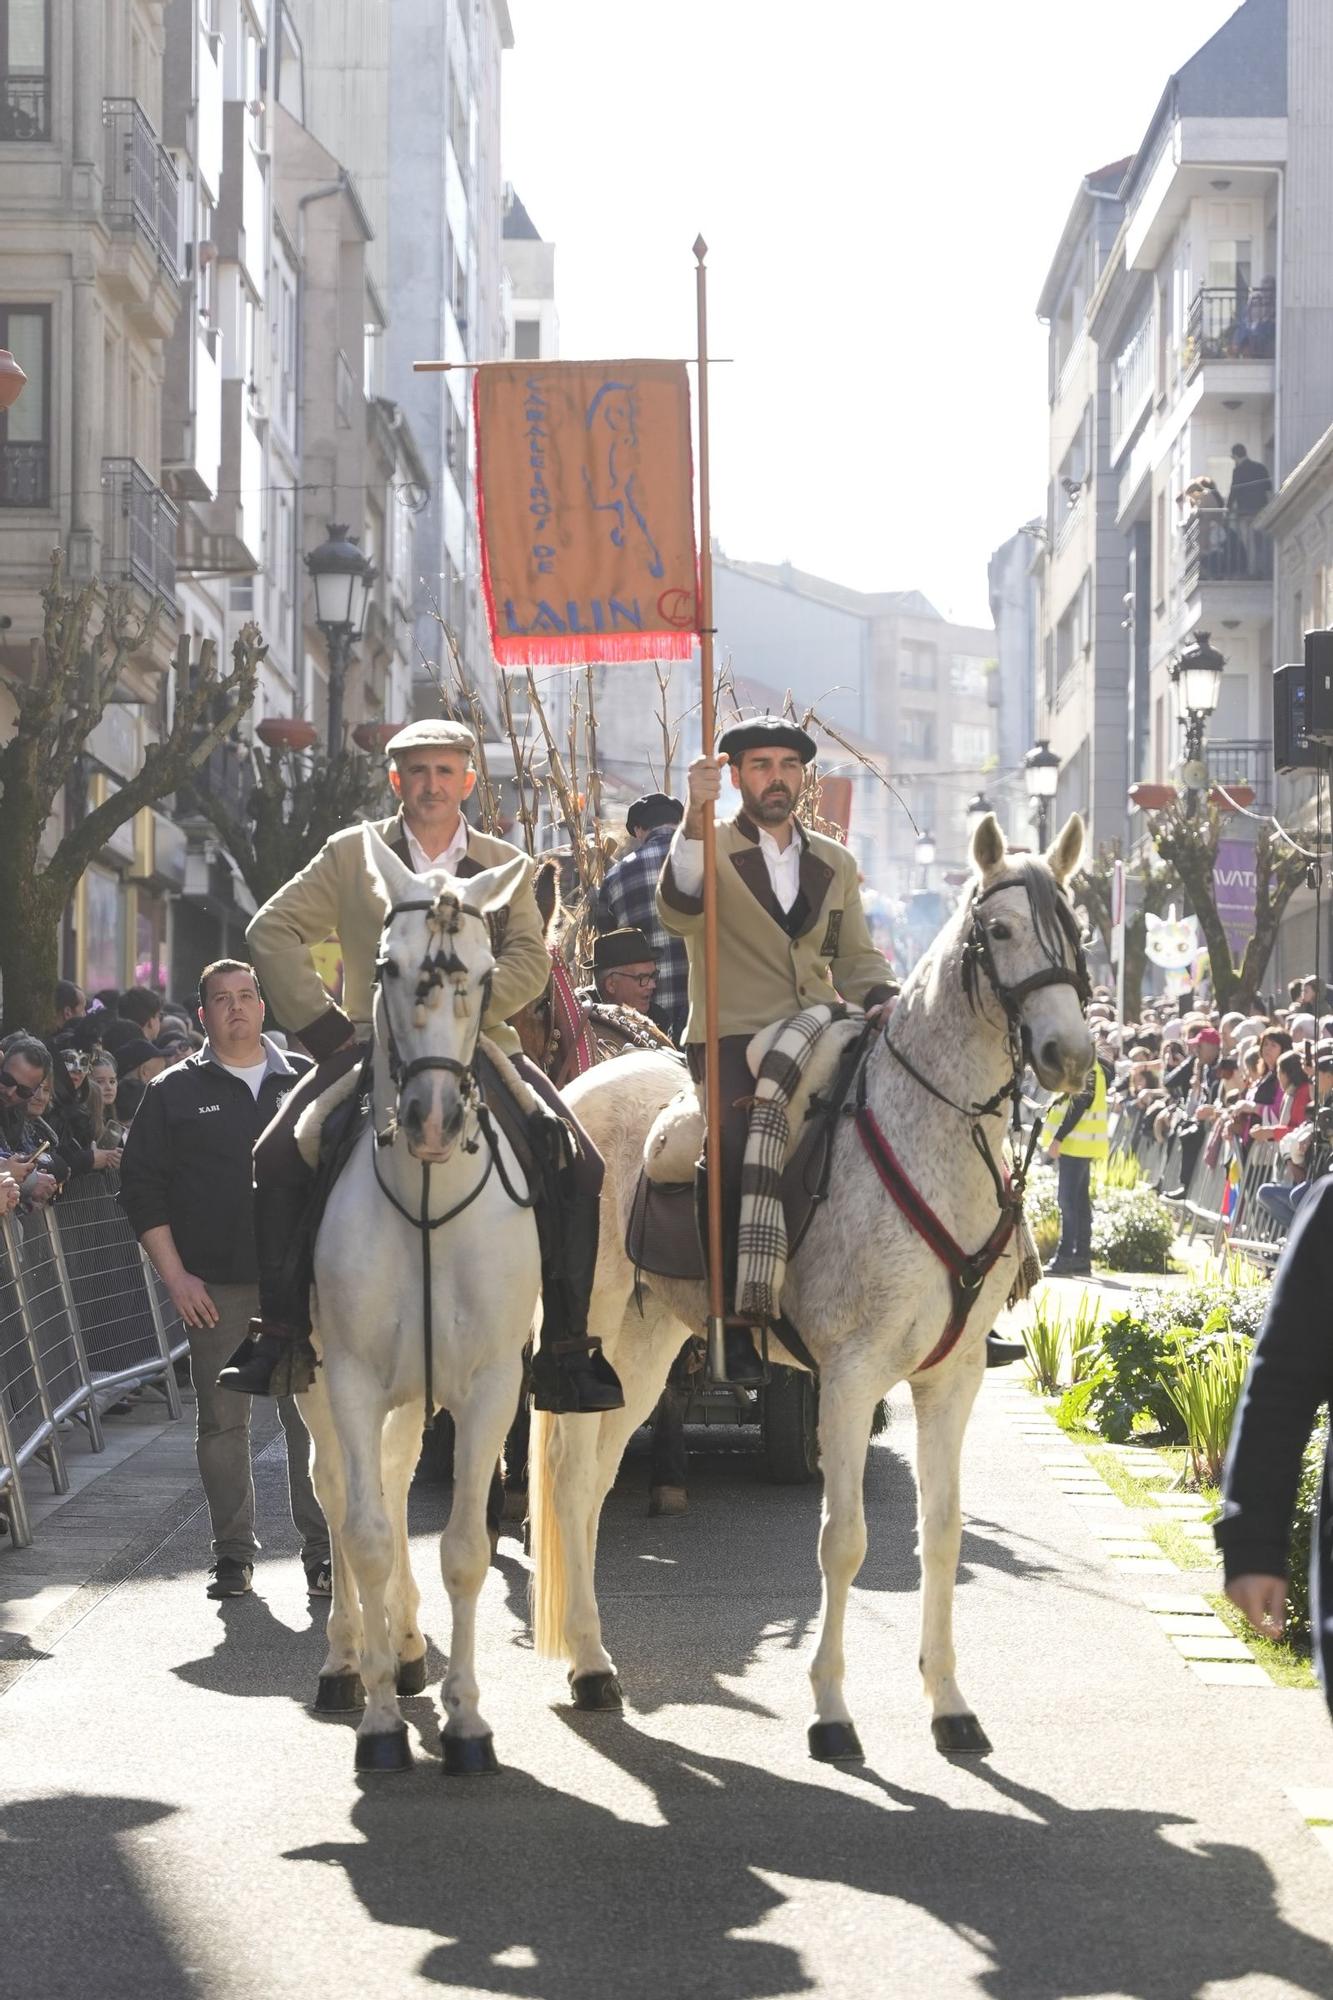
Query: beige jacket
{"points": [[773, 963], [334, 894]]}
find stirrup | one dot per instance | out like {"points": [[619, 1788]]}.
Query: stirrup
{"points": [[574, 1378], [270, 1363]]}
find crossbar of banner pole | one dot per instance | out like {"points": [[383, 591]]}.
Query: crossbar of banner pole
{"points": [[445, 367]]}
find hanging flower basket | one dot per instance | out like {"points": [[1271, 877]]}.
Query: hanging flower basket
{"points": [[286, 732], [373, 736]]}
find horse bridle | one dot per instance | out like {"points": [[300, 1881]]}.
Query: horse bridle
{"points": [[436, 969], [978, 962]]}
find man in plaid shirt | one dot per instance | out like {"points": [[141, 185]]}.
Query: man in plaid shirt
{"points": [[627, 901]]}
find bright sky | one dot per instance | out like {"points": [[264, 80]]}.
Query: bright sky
{"points": [[882, 186]]}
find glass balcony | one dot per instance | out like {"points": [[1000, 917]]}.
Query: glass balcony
{"points": [[142, 189], [138, 530]]}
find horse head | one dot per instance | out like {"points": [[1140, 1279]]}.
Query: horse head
{"points": [[433, 978], [1024, 943]]}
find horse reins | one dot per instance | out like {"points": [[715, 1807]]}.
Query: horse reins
{"points": [[967, 1272], [435, 968]]}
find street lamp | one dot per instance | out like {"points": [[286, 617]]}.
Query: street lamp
{"points": [[925, 854], [1197, 674], [342, 574], [976, 809], [1041, 775]]}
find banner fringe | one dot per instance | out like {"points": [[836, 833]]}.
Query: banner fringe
{"points": [[578, 649]]}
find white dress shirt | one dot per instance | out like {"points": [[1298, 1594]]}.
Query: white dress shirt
{"points": [[450, 858], [783, 865]]}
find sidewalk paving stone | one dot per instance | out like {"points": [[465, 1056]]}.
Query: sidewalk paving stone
{"points": [[1195, 1646]]}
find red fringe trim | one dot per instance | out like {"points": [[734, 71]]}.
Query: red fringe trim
{"points": [[579, 649]]}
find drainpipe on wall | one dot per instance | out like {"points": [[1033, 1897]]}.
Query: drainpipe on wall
{"points": [[298, 527]]}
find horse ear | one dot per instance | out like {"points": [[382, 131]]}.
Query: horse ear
{"points": [[495, 887], [1066, 850], [988, 847], [393, 879]]}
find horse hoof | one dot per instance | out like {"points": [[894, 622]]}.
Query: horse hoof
{"points": [[667, 1500], [337, 1693], [835, 1743], [411, 1677], [515, 1506], [596, 1691], [386, 1750], [960, 1736], [467, 1756]]}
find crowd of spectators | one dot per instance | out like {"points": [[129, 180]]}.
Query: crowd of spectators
{"points": [[1217, 1082], [69, 1091]]}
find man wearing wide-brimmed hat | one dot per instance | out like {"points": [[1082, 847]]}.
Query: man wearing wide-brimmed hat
{"points": [[791, 929], [431, 773]]}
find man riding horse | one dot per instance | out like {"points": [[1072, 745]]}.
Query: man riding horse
{"points": [[791, 934], [431, 772]]}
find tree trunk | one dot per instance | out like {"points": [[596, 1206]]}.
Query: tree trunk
{"points": [[29, 948]]}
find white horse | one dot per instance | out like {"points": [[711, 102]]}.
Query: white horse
{"points": [[433, 1163], [870, 1296]]}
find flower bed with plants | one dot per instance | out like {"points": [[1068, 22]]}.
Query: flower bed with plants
{"points": [[1132, 1228], [1166, 1370]]}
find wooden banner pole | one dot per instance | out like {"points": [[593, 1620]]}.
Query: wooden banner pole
{"points": [[717, 1362]]}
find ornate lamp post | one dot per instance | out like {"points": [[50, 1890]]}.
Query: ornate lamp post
{"points": [[1197, 675], [976, 809], [1041, 775], [342, 574]]}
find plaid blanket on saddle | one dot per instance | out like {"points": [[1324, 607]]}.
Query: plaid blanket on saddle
{"points": [[761, 1261]]}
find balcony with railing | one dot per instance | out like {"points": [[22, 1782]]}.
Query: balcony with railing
{"points": [[25, 106], [138, 530], [1220, 547], [1240, 762], [1230, 323], [141, 193]]}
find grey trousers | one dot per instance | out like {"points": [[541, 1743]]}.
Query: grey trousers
{"points": [[222, 1440]]}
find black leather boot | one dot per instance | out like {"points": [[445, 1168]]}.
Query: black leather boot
{"points": [[1000, 1352], [570, 1374], [276, 1357], [745, 1367]]}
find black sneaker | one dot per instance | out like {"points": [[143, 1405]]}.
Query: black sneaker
{"points": [[319, 1577], [230, 1577]]}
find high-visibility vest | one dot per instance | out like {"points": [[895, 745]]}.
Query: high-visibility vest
{"points": [[1088, 1140]]}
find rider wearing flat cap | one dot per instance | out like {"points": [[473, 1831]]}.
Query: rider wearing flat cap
{"points": [[791, 930], [431, 771]]}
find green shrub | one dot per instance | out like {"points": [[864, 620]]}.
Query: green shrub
{"points": [[1043, 1210], [1132, 1230], [1204, 1376], [1302, 1536], [1085, 1346], [1071, 1412], [1137, 1345], [1044, 1338]]}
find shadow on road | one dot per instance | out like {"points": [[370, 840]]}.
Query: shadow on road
{"points": [[108, 1939], [1055, 1902]]}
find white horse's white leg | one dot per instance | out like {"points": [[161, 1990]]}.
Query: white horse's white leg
{"points": [[342, 1660], [943, 1404], [481, 1418], [846, 1408], [402, 1448], [357, 1402]]}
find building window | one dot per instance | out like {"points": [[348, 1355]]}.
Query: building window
{"points": [[916, 737], [25, 71], [967, 676], [970, 743], [25, 430], [919, 665], [527, 340]]}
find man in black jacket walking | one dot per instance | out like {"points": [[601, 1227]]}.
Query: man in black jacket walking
{"points": [[1291, 1374], [187, 1188]]}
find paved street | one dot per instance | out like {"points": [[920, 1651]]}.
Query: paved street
{"points": [[176, 1821]]}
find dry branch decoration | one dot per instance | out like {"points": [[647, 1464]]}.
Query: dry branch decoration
{"points": [[297, 803], [1189, 844], [90, 637]]}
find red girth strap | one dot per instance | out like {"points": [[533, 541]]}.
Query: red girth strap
{"points": [[966, 1274]]}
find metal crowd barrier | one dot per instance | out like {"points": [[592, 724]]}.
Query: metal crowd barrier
{"points": [[83, 1317], [1214, 1200]]}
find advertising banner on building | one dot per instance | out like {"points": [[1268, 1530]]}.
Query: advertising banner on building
{"points": [[1234, 888], [586, 511]]}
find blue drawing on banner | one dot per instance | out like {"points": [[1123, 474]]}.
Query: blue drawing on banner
{"points": [[536, 411], [612, 478]]}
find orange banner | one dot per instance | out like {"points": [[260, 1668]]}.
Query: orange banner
{"points": [[586, 508]]}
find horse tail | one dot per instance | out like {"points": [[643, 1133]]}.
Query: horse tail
{"points": [[550, 1578]]}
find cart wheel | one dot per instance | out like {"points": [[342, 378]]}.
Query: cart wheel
{"points": [[791, 1427], [436, 1463]]}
